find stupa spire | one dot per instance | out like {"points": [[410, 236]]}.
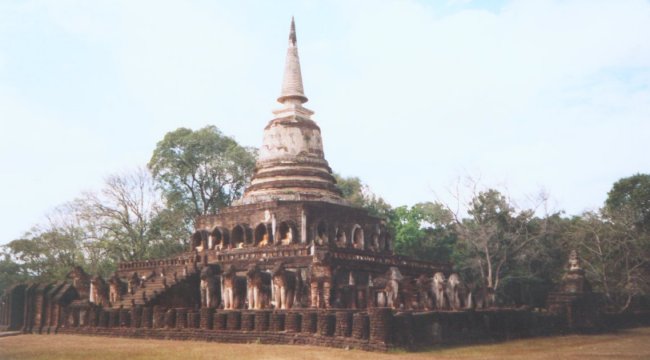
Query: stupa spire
{"points": [[291, 165], [293, 92]]}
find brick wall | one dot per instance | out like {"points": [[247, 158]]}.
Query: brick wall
{"points": [[375, 329]]}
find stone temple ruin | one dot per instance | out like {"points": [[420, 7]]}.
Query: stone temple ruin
{"points": [[291, 262]]}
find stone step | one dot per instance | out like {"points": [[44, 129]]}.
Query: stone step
{"points": [[150, 285]]}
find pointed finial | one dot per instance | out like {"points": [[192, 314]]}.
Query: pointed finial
{"points": [[292, 33], [292, 90]]}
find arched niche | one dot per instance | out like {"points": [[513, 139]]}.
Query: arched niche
{"points": [[357, 238], [239, 236], [341, 240], [199, 240], [287, 233], [321, 234], [262, 235], [220, 238]]}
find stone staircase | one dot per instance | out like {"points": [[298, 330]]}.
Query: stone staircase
{"points": [[157, 282]]}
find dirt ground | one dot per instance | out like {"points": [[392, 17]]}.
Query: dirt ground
{"points": [[628, 344]]}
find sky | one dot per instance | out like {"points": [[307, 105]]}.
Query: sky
{"points": [[411, 96]]}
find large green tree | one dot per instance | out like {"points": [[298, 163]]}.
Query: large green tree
{"points": [[629, 201], [45, 253], [359, 194], [201, 171], [424, 231], [11, 272]]}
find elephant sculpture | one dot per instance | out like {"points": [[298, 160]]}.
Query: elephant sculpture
{"points": [[209, 289], [258, 290], [116, 288], [320, 282], [454, 290], [233, 289], [98, 291], [394, 277], [438, 289], [286, 287], [133, 283]]}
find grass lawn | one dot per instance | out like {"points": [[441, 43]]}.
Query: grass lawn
{"points": [[629, 344]]}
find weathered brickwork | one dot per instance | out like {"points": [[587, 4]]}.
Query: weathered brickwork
{"points": [[378, 329]]}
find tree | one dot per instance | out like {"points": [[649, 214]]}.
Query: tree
{"points": [[123, 221], [10, 272], [629, 201], [201, 171], [615, 242], [126, 219], [497, 236], [612, 258], [359, 194], [424, 231], [46, 253]]}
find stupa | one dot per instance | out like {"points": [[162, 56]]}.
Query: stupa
{"points": [[291, 220]]}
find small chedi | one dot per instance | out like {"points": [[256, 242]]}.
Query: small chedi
{"points": [[290, 258], [573, 300]]}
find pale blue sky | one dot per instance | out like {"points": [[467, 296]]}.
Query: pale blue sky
{"points": [[410, 95]]}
